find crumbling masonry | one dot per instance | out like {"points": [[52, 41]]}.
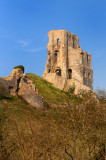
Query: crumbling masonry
{"points": [[18, 84], [67, 63]]}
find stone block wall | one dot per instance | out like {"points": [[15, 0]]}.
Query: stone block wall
{"points": [[66, 60]]}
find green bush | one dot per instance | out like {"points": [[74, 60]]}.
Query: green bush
{"points": [[20, 67], [71, 88]]}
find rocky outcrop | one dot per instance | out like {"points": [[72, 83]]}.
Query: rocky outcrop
{"points": [[18, 84]]}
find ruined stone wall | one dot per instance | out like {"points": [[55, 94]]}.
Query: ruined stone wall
{"points": [[18, 84], [56, 53], [87, 71], [60, 43], [67, 60]]}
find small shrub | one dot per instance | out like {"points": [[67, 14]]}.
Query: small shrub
{"points": [[71, 88], [46, 105], [101, 94], [101, 153], [81, 92], [20, 67]]}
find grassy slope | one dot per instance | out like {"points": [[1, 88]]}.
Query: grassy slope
{"points": [[56, 133], [51, 94]]}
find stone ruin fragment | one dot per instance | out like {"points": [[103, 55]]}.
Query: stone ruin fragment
{"points": [[18, 84]]}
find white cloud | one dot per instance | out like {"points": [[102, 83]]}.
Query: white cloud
{"points": [[23, 43], [27, 48]]}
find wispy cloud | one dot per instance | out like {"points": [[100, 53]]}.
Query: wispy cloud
{"points": [[26, 47], [36, 49], [23, 42]]}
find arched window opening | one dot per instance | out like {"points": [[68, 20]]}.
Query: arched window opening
{"points": [[84, 73], [55, 53], [89, 75], [55, 56], [48, 70], [58, 72], [56, 50], [58, 40], [70, 73]]}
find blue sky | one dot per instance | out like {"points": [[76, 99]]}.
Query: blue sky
{"points": [[24, 25]]}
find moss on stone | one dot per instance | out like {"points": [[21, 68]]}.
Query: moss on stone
{"points": [[20, 67]]}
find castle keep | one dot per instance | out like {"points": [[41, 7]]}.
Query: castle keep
{"points": [[67, 63]]}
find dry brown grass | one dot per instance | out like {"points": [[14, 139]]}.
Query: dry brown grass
{"points": [[74, 131]]}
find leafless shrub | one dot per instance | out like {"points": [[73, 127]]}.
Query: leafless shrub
{"points": [[101, 93], [68, 133]]}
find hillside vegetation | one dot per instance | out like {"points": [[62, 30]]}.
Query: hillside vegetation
{"points": [[70, 127]]}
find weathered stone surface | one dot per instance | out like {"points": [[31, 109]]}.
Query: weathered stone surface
{"points": [[18, 84], [29, 93], [67, 63]]}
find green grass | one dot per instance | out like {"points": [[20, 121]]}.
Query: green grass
{"points": [[52, 94]]}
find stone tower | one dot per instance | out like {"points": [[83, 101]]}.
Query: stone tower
{"points": [[67, 63]]}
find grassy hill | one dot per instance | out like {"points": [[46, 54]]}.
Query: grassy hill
{"points": [[70, 128], [51, 94]]}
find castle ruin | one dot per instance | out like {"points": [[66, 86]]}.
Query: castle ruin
{"points": [[67, 63], [17, 84]]}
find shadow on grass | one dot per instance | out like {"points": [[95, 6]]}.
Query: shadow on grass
{"points": [[7, 98]]}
